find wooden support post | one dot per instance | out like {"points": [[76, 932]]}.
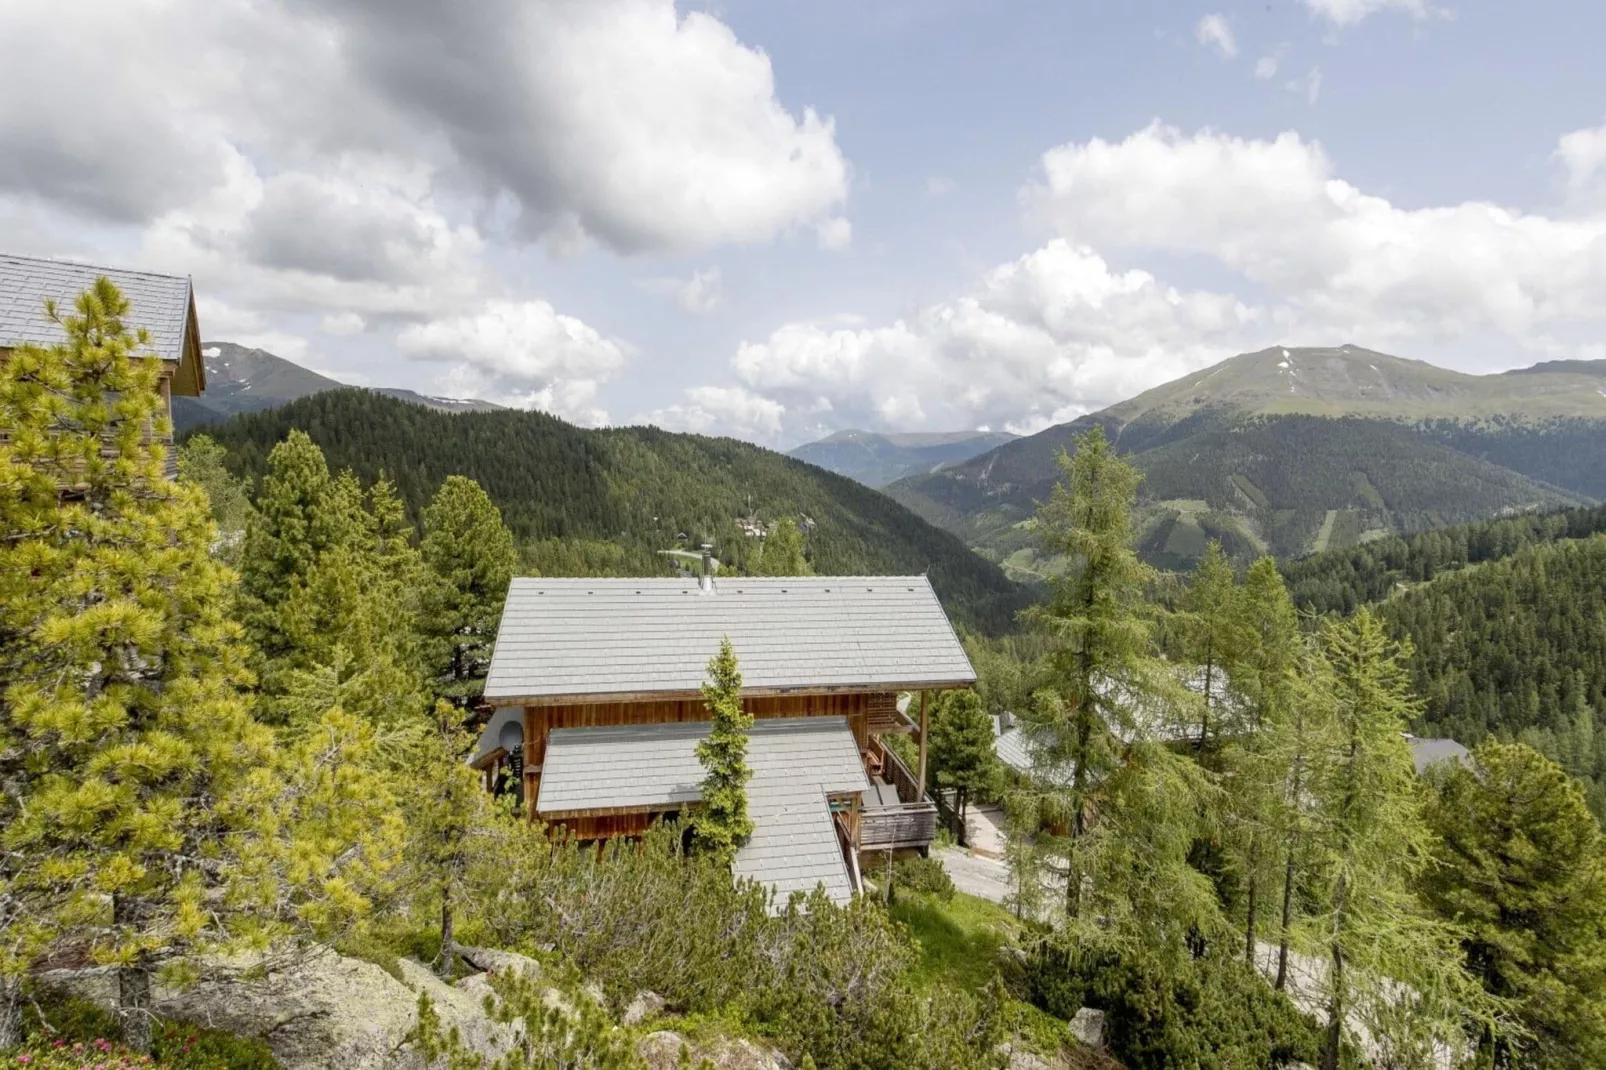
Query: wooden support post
{"points": [[530, 759], [921, 776]]}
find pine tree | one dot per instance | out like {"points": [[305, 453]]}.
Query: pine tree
{"points": [[1391, 967], [131, 759], [1521, 863], [961, 751], [1118, 811], [448, 808], [782, 554], [469, 556], [201, 461], [1263, 686], [1213, 634], [722, 825]]}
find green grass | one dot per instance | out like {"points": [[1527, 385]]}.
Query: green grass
{"points": [[959, 939]]}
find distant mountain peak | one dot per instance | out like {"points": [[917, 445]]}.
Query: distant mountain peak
{"points": [[876, 458]]}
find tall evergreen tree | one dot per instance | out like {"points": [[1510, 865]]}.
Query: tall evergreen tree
{"points": [[1521, 863], [1213, 634], [961, 751], [1264, 686], [722, 825], [1118, 810], [201, 461], [469, 555], [783, 551], [131, 759], [1391, 967]]}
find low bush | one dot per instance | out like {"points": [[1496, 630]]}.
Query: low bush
{"points": [[923, 875], [75, 1033]]}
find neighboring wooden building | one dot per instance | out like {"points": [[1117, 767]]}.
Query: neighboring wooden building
{"points": [[598, 710], [164, 305]]}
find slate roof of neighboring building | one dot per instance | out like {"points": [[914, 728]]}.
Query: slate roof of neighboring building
{"points": [[1426, 752], [160, 303], [796, 763], [594, 638]]}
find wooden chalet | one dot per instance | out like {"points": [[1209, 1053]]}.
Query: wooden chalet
{"points": [[164, 305], [598, 710]]}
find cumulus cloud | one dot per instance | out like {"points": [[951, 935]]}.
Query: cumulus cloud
{"points": [[1583, 155], [522, 353], [1214, 32], [1349, 12], [835, 235], [342, 324], [701, 293], [722, 410]]}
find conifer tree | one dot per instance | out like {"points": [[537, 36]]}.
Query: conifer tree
{"points": [[1391, 967], [1264, 685], [131, 759], [201, 461], [1213, 634], [782, 554], [961, 750], [1118, 811], [722, 825], [1521, 863], [469, 555], [449, 807]]}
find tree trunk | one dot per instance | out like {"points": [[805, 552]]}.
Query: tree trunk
{"points": [[1288, 921], [1254, 900], [10, 1013], [964, 811], [1335, 1002], [134, 1006], [448, 947]]}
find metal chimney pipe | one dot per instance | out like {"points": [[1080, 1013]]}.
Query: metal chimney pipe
{"points": [[707, 580]]}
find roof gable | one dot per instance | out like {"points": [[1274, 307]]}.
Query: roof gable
{"points": [[572, 640], [164, 305]]}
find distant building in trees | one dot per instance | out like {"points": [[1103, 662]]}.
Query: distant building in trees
{"points": [[161, 305], [599, 713]]}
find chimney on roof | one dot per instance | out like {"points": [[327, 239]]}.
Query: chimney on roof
{"points": [[706, 582]]}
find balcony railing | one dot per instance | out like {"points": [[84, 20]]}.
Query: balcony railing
{"points": [[911, 822]]}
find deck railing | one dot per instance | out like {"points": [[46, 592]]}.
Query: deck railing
{"points": [[912, 823]]}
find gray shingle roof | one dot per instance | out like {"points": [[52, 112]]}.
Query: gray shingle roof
{"points": [[616, 637], [796, 763], [1426, 752], [160, 303]]}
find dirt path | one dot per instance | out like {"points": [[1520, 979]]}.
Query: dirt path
{"points": [[1326, 533]]}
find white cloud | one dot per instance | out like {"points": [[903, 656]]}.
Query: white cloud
{"points": [[1308, 85], [1214, 32], [522, 353], [701, 293], [835, 234], [1266, 66], [938, 186], [722, 410], [1583, 154], [1349, 12], [342, 324]]}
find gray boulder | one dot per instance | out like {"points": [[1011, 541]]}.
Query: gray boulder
{"points": [[1088, 1027], [661, 1051], [646, 1005]]}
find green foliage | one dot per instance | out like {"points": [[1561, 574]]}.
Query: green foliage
{"points": [[74, 1034], [637, 487], [722, 825], [961, 748], [201, 462], [1521, 864], [559, 1027], [1213, 633], [923, 876], [782, 554], [469, 558], [132, 762], [1213, 1012]]}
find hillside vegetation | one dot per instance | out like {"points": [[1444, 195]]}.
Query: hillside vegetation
{"points": [[613, 497], [1295, 451], [876, 459]]}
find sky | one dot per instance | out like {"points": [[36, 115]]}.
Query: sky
{"points": [[773, 219]]}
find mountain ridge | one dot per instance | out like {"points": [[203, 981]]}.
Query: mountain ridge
{"points": [[876, 458]]}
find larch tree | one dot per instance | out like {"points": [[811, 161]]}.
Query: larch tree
{"points": [[131, 760], [961, 751], [469, 558], [1392, 969], [722, 826], [1521, 864], [1116, 810], [201, 461], [782, 554], [1213, 635], [1264, 686]]}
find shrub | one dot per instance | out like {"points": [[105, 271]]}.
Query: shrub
{"points": [[76, 1033], [923, 875]]}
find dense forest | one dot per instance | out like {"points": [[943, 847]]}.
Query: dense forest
{"points": [[602, 501]]}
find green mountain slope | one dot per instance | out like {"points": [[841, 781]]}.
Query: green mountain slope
{"points": [[1300, 450], [240, 379], [638, 487], [876, 459]]}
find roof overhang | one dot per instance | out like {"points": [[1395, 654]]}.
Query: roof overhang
{"points": [[598, 697], [189, 378]]}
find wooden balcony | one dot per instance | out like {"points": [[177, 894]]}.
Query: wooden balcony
{"points": [[910, 822]]}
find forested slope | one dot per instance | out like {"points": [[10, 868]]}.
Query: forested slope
{"points": [[636, 488]]}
